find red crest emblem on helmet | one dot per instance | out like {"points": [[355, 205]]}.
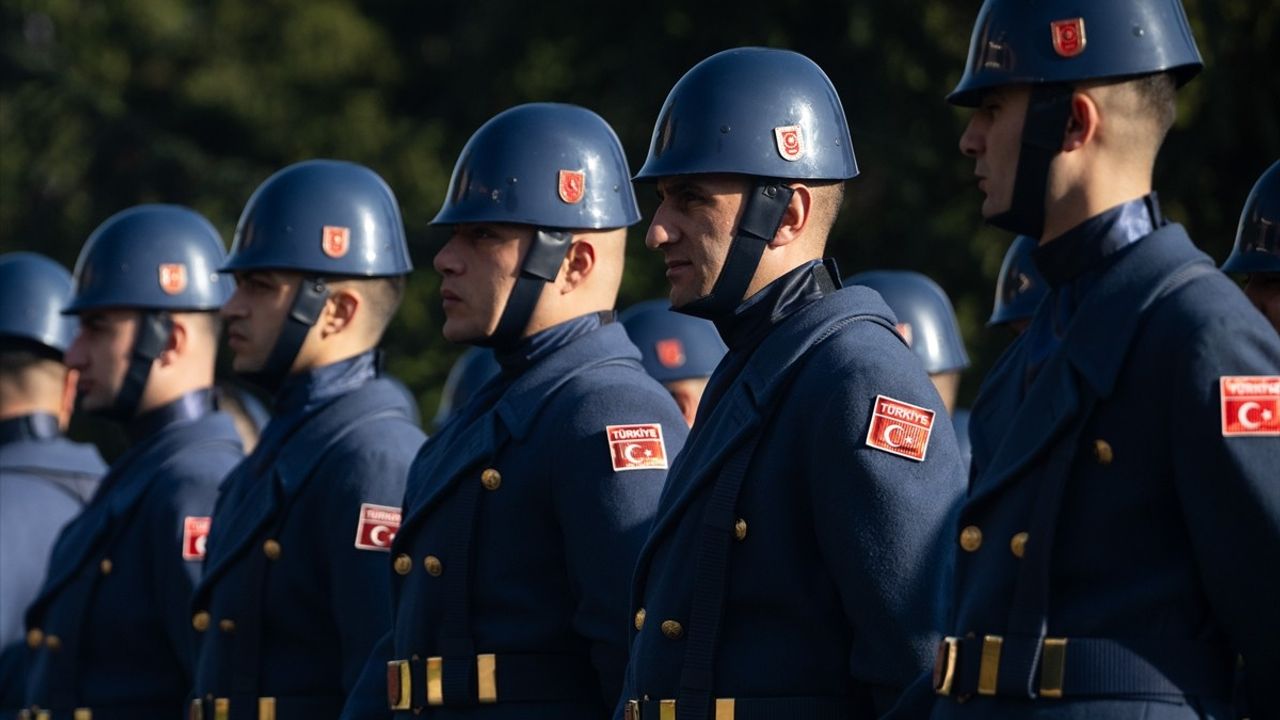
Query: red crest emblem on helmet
{"points": [[671, 352], [173, 278], [335, 241], [790, 140], [573, 185], [1068, 36]]}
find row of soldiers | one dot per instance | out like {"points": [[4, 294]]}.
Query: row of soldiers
{"points": [[566, 545]]}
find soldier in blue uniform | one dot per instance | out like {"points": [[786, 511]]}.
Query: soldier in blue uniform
{"points": [[294, 592], [525, 512], [795, 565], [1257, 248], [109, 630], [1019, 288], [927, 321], [475, 367], [45, 479], [680, 351], [1115, 547]]}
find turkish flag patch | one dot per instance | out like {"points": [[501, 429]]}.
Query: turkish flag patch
{"points": [[377, 527], [195, 530], [1250, 405], [900, 428], [637, 447]]}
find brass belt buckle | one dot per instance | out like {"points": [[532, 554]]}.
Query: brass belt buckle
{"points": [[944, 665], [435, 681], [399, 685], [1053, 667]]}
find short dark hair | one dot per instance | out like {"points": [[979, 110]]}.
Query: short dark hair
{"points": [[382, 294], [1158, 97]]}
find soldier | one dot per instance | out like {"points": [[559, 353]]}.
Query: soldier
{"points": [[794, 567], [1123, 499], [680, 351], [1019, 289], [109, 627], [524, 514], [475, 367], [294, 592], [47, 478], [1257, 248], [927, 321]]}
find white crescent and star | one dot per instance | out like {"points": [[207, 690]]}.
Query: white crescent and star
{"points": [[1243, 416], [381, 535]]}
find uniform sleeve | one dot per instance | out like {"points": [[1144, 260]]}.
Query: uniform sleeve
{"points": [[190, 491], [883, 522], [371, 472], [1230, 496], [368, 699], [605, 513]]}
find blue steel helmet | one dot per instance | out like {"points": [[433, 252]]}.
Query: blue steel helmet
{"points": [[752, 111], [1257, 248], [469, 373], [1020, 287], [151, 257], [33, 291], [548, 165], [926, 319], [1016, 42], [673, 346], [322, 217]]}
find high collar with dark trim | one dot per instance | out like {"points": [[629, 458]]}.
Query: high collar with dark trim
{"points": [[777, 301], [530, 350], [192, 406], [1088, 245], [36, 426], [305, 390]]}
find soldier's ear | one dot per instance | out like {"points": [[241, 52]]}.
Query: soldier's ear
{"points": [[340, 310], [179, 338], [579, 261], [1083, 122], [796, 217]]}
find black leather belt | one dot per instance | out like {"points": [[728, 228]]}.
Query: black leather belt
{"points": [[780, 708], [417, 683], [264, 708]]}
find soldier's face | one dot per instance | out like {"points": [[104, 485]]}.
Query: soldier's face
{"points": [[100, 353], [478, 266], [693, 228], [254, 315], [1263, 290], [993, 139]]}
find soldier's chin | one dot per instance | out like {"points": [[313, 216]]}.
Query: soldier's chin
{"points": [[246, 364], [461, 333]]}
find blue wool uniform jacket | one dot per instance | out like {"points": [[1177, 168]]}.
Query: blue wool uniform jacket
{"points": [[45, 481], [834, 577], [294, 592], [1167, 532], [110, 622], [552, 535]]}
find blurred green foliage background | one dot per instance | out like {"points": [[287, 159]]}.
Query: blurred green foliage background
{"points": [[106, 104]]}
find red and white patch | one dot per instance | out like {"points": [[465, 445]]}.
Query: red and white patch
{"points": [[1250, 405], [904, 329], [173, 278], [671, 352], [195, 530], [1068, 36], [377, 527], [335, 241], [900, 428], [637, 447], [790, 140], [573, 185]]}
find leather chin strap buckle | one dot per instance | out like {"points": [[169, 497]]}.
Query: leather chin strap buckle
{"points": [[308, 304]]}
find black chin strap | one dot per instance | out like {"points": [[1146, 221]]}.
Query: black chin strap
{"points": [[154, 329], [308, 303], [541, 266], [761, 218], [1047, 115]]}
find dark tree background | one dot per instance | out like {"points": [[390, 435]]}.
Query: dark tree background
{"points": [[109, 104]]}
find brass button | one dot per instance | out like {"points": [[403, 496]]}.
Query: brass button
{"points": [[227, 625], [271, 549], [640, 619], [672, 629], [402, 564], [433, 565], [53, 642], [105, 566], [1103, 452], [971, 538], [491, 479], [35, 638], [1018, 544], [200, 621], [740, 529]]}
